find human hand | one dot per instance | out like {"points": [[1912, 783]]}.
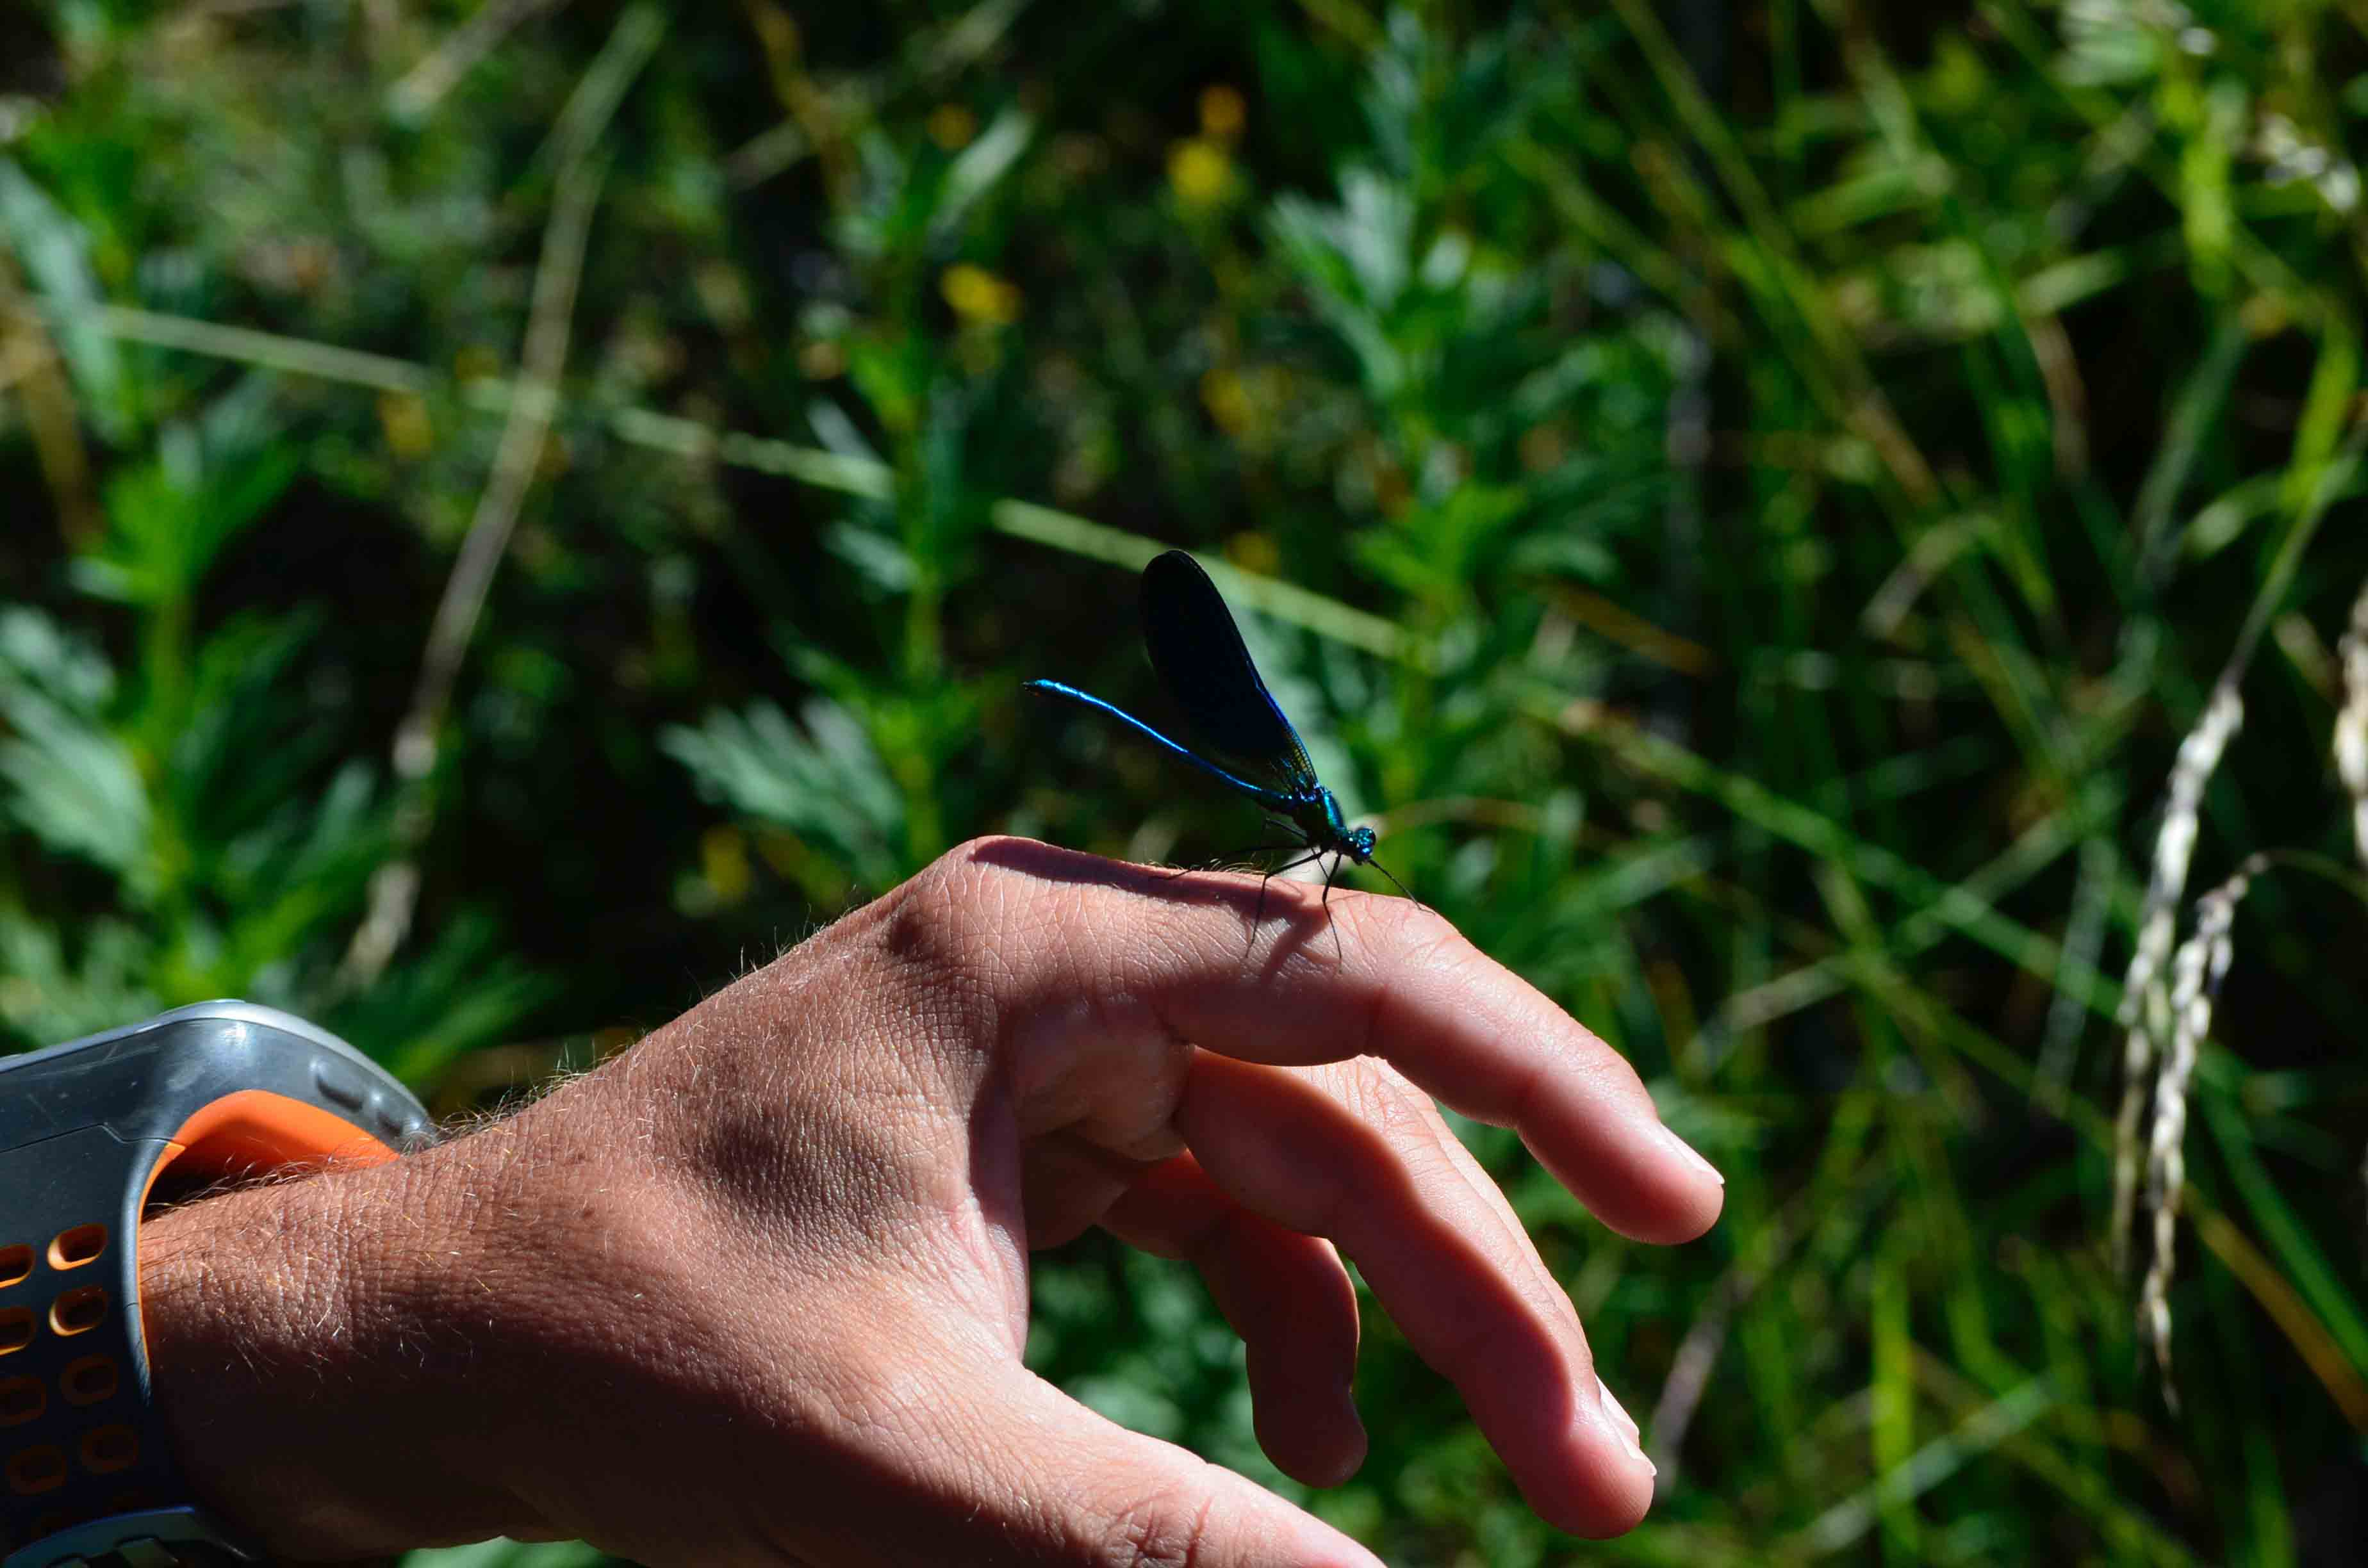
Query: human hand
{"points": [[757, 1290]]}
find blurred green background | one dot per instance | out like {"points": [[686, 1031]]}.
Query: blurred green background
{"points": [[516, 510]]}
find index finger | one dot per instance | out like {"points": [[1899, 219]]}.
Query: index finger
{"points": [[1264, 986]]}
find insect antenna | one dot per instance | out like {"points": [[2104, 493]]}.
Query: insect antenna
{"points": [[1384, 870]]}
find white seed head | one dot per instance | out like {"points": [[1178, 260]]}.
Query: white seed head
{"points": [[2351, 722], [2146, 1010], [2196, 972]]}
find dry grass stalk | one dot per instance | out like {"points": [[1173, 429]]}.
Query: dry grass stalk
{"points": [[2147, 1013], [394, 886], [2196, 972], [410, 99], [29, 361]]}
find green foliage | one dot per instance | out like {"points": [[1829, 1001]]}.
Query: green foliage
{"points": [[1752, 513], [508, 1554], [824, 783]]}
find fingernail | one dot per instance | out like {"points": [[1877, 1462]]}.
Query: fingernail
{"points": [[1624, 1427], [1614, 1409], [1692, 1155]]}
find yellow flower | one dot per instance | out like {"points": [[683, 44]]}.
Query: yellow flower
{"points": [[821, 360], [979, 296], [1222, 112], [1254, 552], [1199, 172], [951, 126], [1249, 401], [723, 861], [1543, 449], [1227, 399], [403, 418]]}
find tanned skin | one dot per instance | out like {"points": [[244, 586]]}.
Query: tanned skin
{"points": [[755, 1291]]}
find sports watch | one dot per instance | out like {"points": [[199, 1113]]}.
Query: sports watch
{"points": [[220, 1089]]}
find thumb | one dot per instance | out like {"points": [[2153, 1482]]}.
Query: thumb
{"points": [[1027, 1475]]}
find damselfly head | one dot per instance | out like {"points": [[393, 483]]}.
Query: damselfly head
{"points": [[1319, 818]]}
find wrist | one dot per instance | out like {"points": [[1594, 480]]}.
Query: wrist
{"points": [[272, 1319]]}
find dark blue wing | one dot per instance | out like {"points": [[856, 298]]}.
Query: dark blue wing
{"points": [[1201, 660]]}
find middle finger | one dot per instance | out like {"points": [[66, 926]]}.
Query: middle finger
{"points": [[1356, 1154]]}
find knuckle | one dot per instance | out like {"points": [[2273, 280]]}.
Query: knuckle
{"points": [[981, 883], [930, 945], [1410, 933], [987, 851], [1405, 1119], [1001, 902], [951, 882], [1165, 1529], [1377, 1095], [983, 927], [1407, 1116], [1404, 942], [937, 917]]}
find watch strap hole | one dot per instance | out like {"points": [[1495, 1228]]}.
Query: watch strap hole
{"points": [[79, 1311], [107, 1449], [34, 1471], [21, 1400], [89, 1380], [72, 1249]]}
